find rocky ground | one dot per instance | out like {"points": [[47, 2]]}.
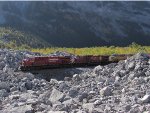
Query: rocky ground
{"points": [[122, 87]]}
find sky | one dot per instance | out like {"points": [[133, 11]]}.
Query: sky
{"points": [[74, 0]]}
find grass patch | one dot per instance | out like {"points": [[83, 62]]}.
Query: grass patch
{"points": [[131, 49]]}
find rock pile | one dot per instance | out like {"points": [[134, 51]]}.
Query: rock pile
{"points": [[11, 58], [115, 88], [60, 53]]}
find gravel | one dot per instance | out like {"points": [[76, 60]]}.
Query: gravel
{"points": [[115, 88]]}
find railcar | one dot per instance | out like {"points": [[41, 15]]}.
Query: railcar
{"points": [[117, 58]]}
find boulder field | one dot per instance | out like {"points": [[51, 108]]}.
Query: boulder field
{"points": [[122, 87]]}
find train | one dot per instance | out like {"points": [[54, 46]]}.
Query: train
{"points": [[51, 62]]}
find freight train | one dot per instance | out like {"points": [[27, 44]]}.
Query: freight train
{"points": [[50, 62]]}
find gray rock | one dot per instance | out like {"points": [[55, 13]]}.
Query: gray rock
{"points": [[35, 82], [131, 65], [135, 110], [44, 97], [73, 92], [146, 112], [76, 77], [98, 102], [110, 81], [106, 91], [127, 108], [83, 96], [32, 101], [147, 73], [53, 81], [13, 89], [131, 76], [2, 65], [20, 109], [28, 85], [22, 87], [3, 93], [30, 76], [67, 102], [16, 96], [89, 106], [63, 86], [60, 107], [138, 81], [57, 112], [24, 96], [146, 99], [80, 111], [92, 93], [6, 68], [98, 69], [4, 85], [56, 96], [67, 78]]}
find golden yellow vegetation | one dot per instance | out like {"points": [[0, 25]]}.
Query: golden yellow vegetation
{"points": [[131, 49]]}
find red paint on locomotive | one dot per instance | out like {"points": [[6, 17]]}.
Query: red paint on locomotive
{"points": [[43, 61], [81, 59]]}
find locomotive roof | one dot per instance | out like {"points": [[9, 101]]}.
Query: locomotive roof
{"points": [[46, 56]]}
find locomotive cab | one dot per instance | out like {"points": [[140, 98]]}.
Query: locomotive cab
{"points": [[27, 62]]}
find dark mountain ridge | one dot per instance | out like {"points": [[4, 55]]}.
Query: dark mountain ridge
{"points": [[80, 24]]}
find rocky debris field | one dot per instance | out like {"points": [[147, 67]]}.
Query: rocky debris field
{"points": [[10, 59], [122, 87], [61, 53]]}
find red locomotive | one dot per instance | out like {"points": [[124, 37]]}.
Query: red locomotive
{"points": [[44, 62]]}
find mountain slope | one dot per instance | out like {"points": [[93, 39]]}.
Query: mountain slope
{"points": [[18, 38], [80, 24]]}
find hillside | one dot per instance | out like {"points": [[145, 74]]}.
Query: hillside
{"points": [[13, 38], [80, 24]]}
